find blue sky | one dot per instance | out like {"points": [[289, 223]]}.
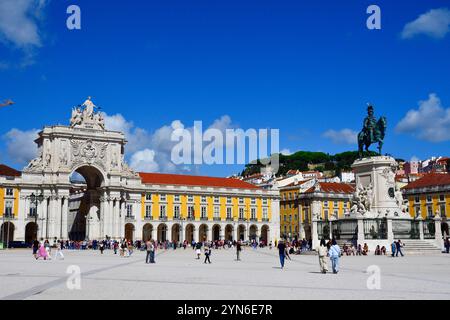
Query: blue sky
{"points": [[306, 68]]}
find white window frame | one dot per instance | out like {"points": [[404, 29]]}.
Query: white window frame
{"points": [[148, 210], [216, 212], [203, 212], [176, 211], [162, 211], [229, 212], [129, 210]]}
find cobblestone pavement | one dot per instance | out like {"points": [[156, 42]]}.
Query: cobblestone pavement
{"points": [[178, 275]]}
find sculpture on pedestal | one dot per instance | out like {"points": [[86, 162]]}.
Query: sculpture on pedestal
{"points": [[87, 117], [373, 132]]}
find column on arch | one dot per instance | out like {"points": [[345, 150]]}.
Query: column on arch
{"points": [[65, 212], [222, 232]]}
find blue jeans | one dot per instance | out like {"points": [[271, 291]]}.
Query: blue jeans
{"points": [[335, 264], [399, 250], [152, 256], [282, 260]]}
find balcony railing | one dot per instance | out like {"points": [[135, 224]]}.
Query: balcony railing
{"points": [[216, 218], [162, 218], [253, 219], [204, 218], [129, 217], [229, 218], [8, 215], [148, 218], [265, 219], [190, 218]]}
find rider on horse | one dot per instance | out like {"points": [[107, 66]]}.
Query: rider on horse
{"points": [[370, 123], [372, 132]]}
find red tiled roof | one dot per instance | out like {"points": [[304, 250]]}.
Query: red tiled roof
{"points": [[9, 172], [333, 187], [430, 180], [178, 179]]}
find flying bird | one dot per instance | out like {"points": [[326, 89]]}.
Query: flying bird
{"points": [[7, 102]]}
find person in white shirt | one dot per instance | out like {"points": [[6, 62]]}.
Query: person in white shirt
{"points": [[322, 251]]}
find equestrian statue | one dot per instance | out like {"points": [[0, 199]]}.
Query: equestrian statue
{"points": [[372, 132]]}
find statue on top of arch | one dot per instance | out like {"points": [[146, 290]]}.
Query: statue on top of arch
{"points": [[87, 117]]}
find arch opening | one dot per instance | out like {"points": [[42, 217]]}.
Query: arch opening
{"points": [[84, 203]]}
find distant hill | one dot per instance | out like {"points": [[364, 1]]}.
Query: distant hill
{"points": [[307, 160]]}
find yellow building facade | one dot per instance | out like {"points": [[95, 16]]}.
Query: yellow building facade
{"points": [[297, 203], [429, 196]]}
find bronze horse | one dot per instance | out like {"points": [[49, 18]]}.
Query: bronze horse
{"points": [[365, 140]]}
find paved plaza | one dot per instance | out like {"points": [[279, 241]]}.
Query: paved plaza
{"points": [[178, 275]]}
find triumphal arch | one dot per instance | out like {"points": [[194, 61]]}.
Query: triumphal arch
{"points": [[97, 155]]}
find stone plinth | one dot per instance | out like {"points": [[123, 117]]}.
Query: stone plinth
{"points": [[375, 180]]}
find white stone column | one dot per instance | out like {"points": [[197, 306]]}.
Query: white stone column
{"points": [[390, 231], [109, 217], [44, 216], [438, 231], [196, 231], [314, 234], [210, 233], [420, 219], [51, 219], [360, 230], [65, 213], [169, 232], [57, 205], [122, 220], [116, 219], [103, 219], [222, 232]]}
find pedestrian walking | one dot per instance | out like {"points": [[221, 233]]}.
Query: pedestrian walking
{"points": [[207, 254], [393, 248], [198, 249], [42, 252], [281, 251], [152, 251], [148, 246], [35, 247], [399, 248], [238, 251], [59, 250], [322, 251], [334, 253], [101, 247]]}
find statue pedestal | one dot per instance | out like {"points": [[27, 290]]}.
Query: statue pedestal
{"points": [[377, 175]]}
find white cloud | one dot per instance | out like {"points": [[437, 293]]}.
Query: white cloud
{"points": [[152, 151], [286, 152], [19, 20], [344, 136], [435, 23], [20, 145], [144, 160], [431, 122]]}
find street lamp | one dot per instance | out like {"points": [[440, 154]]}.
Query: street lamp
{"points": [[34, 200]]}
